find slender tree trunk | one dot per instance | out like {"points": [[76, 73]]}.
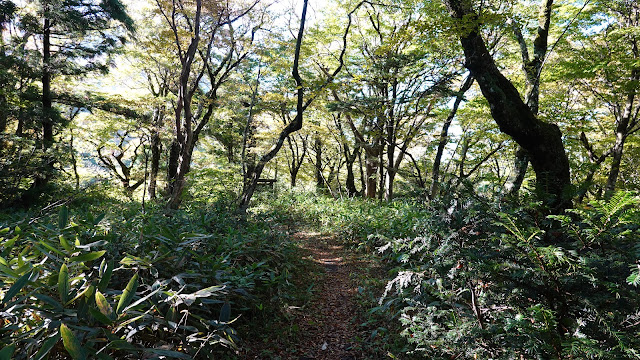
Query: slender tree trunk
{"points": [[521, 164], [47, 108], [156, 150], [616, 160], [318, 147], [622, 131], [74, 161], [543, 141], [444, 137], [382, 176], [363, 177], [172, 167]]}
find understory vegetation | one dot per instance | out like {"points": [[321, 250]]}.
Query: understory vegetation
{"points": [[132, 283], [471, 278], [161, 162]]}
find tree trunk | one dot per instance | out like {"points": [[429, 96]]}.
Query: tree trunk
{"points": [[172, 167], [318, 148], [521, 164], [371, 164], [542, 141], [532, 69], [47, 108], [156, 150], [444, 137], [622, 131], [350, 183]]}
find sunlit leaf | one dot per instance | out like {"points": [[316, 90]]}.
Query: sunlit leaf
{"points": [[127, 294], [72, 344]]}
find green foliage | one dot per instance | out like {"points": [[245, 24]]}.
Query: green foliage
{"points": [[469, 278], [96, 286], [490, 282]]}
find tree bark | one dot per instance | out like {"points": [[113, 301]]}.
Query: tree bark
{"points": [[42, 179], [318, 149], [444, 137], [532, 69], [622, 131], [541, 140], [156, 150]]}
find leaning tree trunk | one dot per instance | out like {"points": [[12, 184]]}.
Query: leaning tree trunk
{"points": [[543, 141], [622, 131], [444, 137]]}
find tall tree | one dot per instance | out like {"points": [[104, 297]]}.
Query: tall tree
{"points": [[209, 47], [541, 140], [255, 170], [606, 65]]}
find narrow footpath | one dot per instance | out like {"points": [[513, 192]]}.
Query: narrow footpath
{"points": [[328, 328]]}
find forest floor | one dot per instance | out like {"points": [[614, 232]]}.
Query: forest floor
{"points": [[326, 328]]}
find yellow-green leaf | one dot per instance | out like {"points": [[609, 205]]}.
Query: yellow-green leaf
{"points": [[103, 305], [88, 256], [127, 294], [63, 283], [72, 344], [65, 244]]}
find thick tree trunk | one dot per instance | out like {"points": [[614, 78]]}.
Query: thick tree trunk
{"points": [[371, 165], [172, 167], [542, 141], [532, 69]]}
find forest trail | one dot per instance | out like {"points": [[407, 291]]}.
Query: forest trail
{"points": [[328, 328]]}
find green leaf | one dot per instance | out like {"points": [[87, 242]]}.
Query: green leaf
{"points": [[169, 353], [99, 218], [225, 313], [106, 269], [88, 256], [72, 344], [16, 287], [63, 217], [9, 244], [100, 316], [103, 305], [7, 352], [65, 244], [63, 283], [46, 347], [127, 294]]}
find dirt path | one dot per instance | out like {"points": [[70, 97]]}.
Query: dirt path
{"points": [[328, 328]]}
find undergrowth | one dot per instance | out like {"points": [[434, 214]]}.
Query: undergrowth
{"points": [[100, 278], [467, 278]]}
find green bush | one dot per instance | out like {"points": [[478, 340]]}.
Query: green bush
{"points": [[134, 284], [485, 281]]}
